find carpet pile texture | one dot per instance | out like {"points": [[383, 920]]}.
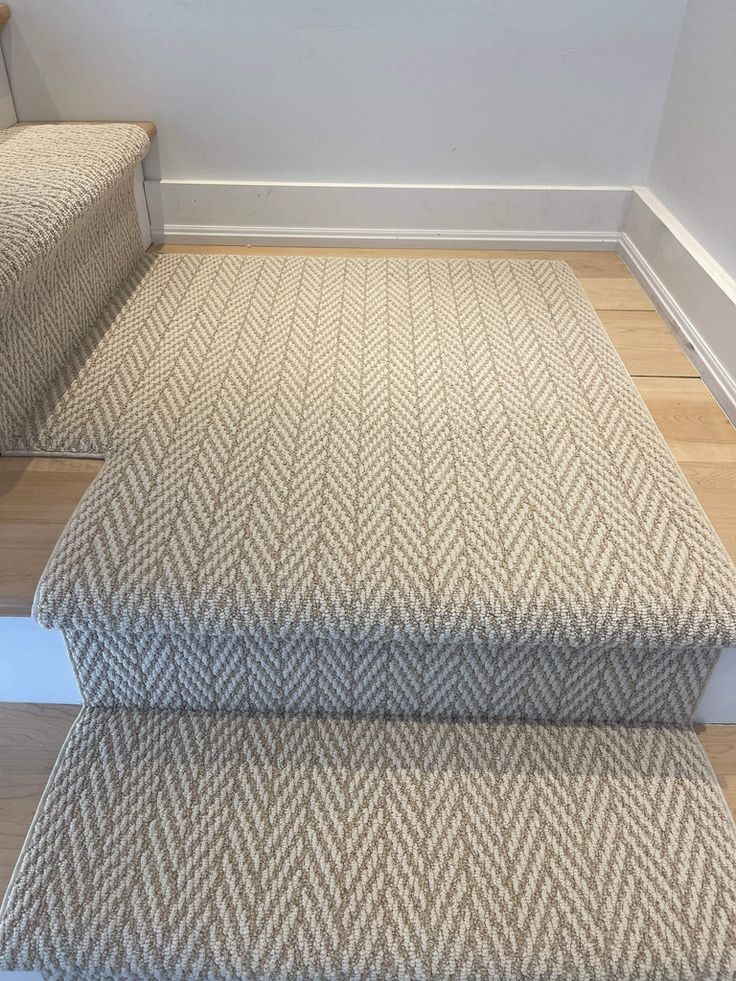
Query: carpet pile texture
{"points": [[390, 609], [68, 237], [375, 487], [263, 848]]}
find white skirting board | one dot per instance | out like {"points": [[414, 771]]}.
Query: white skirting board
{"points": [[7, 109], [35, 667], [689, 288], [141, 207], [34, 664], [334, 214]]}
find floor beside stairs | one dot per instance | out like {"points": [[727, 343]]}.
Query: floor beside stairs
{"points": [[37, 497]]}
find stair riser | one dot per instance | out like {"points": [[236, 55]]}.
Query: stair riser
{"points": [[389, 679]]}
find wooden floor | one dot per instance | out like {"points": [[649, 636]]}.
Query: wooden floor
{"points": [[37, 497]]}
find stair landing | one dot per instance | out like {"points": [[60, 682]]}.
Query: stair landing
{"points": [[38, 496]]}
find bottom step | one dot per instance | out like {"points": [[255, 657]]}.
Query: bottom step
{"points": [[180, 845]]}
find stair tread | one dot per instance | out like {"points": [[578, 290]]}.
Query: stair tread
{"points": [[327, 473], [49, 177], [220, 846], [148, 127]]}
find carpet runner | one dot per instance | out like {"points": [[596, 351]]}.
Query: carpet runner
{"points": [[196, 845], [354, 514]]}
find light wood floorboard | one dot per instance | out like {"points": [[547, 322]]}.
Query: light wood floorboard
{"points": [[37, 498], [30, 739], [719, 743], [646, 345], [690, 419]]}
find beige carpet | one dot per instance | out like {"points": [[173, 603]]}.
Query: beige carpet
{"points": [[185, 845], [68, 237], [375, 487], [366, 504]]}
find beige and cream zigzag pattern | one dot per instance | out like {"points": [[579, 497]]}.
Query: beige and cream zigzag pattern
{"points": [[382, 487], [192, 846], [68, 237], [412, 491]]}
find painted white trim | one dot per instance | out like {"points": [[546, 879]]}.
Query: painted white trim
{"points": [[718, 701], [714, 269], [8, 115], [34, 664], [141, 206], [688, 287], [259, 182], [341, 213], [366, 237]]}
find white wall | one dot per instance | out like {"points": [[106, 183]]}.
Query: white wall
{"points": [[34, 664], [694, 167], [466, 91]]}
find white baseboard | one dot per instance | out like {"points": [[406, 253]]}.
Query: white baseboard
{"points": [[421, 215], [34, 664], [381, 238], [141, 207], [7, 108], [718, 701], [688, 287]]}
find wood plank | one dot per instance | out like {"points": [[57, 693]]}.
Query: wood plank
{"points": [[715, 487], [146, 125], [719, 743], [591, 264], [645, 344], [690, 419], [37, 498], [615, 293], [30, 739]]}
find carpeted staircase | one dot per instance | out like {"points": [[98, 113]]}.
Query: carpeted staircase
{"points": [[390, 610]]}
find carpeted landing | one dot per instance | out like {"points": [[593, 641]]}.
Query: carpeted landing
{"points": [[190, 845], [389, 610], [374, 487]]}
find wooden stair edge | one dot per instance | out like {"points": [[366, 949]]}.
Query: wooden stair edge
{"points": [[4, 14], [148, 127]]}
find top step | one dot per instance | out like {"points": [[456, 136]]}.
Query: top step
{"points": [[50, 175], [68, 235], [376, 487], [147, 126]]}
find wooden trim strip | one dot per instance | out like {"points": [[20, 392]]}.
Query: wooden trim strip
{"points": [[148, 127]]}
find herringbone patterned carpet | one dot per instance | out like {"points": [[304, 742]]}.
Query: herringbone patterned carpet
{"points": [[365, 506], [375, 487], [68, 236], [187, 845]]}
